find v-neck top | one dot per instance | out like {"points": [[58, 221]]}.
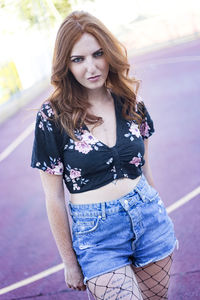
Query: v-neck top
{"points": [[88, 163]]}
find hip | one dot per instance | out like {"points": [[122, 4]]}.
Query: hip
{"points": [[142, 208]]}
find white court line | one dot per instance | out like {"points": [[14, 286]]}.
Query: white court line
{"points": [[183, 200], [31, 279], [59, 267], [16, 142]]}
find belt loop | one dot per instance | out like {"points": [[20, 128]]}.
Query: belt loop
{"points": [[103, 210], [142, 196]]}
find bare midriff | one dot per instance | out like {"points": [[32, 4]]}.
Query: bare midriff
{"points": [[108, 192]]}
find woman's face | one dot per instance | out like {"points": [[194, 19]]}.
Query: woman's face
{"points": [[87, 63]]}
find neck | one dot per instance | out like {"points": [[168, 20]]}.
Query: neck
{"points": [[97, 97]]}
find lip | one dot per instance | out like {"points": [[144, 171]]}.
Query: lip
{"points": [[94, 78]]}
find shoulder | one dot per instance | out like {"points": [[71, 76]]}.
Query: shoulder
{"points": [[46, 111], [140, 106], [138, 103], [46, 117], [147, 125]]}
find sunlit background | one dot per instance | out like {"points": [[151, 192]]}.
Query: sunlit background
{"points": [[28, 29]]}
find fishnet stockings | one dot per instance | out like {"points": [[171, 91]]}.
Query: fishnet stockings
{"points": [[153, 279], [120, 284], [148, 282]]}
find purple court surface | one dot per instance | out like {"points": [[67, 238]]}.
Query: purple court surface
{"points": [[170, 87]]}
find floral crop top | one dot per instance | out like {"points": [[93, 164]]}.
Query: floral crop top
{"points": [[88, 164]]}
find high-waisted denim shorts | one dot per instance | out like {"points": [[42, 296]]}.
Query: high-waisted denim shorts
{"points": [[134, 229]]}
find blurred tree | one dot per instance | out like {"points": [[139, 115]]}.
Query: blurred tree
{"points": [[39, 12], [62, 6]]}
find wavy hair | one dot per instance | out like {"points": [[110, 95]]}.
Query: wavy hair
{"points": [[69, 99]]}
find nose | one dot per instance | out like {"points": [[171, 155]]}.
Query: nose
{"points": [[90, 66]]}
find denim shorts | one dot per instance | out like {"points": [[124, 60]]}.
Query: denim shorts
{"points": [[134, 229]]}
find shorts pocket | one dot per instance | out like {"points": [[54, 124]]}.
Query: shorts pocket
{"points": [[85, 225]]}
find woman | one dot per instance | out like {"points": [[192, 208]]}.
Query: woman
{"points": [[93, 134]]}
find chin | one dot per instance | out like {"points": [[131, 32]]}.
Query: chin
{"points": [[94, 86]]}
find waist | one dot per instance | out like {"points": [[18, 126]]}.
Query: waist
{"points": [[113, 190]]}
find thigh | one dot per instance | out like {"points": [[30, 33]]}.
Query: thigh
{"points": [[155, 235], [118, 284], [153, 279]]}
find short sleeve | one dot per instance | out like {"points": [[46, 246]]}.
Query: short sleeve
{"points": [[46, 152], [147, 126]]}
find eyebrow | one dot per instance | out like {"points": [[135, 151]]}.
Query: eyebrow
{"points": [[83, 55]]}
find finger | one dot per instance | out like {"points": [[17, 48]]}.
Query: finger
{"points": [[82, 287], [69, 286]]}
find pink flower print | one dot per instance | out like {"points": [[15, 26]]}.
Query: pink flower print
{"points": [[74, 174], [43, 115], [144, 129], [88, 138], [134, 129], [83, 147], [49, 170], [58, 169], [55, 169], [135, 161]]}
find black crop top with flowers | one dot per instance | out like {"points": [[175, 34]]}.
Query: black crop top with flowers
{"points": [[88, 163]]}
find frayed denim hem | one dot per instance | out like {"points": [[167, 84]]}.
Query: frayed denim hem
{"points": [[176, 245], [106, 271]]}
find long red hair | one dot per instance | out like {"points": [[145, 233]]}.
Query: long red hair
{"points": [[69, 99]]}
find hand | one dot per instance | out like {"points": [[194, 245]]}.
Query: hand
{"points": [[74, 277]]}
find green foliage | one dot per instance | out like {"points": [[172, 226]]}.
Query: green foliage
{"points": [[2, 4], [62, 6], [30, 11], [38, 12], [43, 13]]}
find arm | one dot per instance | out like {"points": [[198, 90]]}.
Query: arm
{"points": [[57, 215], [59, 224], [146, 168]]}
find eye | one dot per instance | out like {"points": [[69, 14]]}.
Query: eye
{"points": [[98, 53], [77, 59]]}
